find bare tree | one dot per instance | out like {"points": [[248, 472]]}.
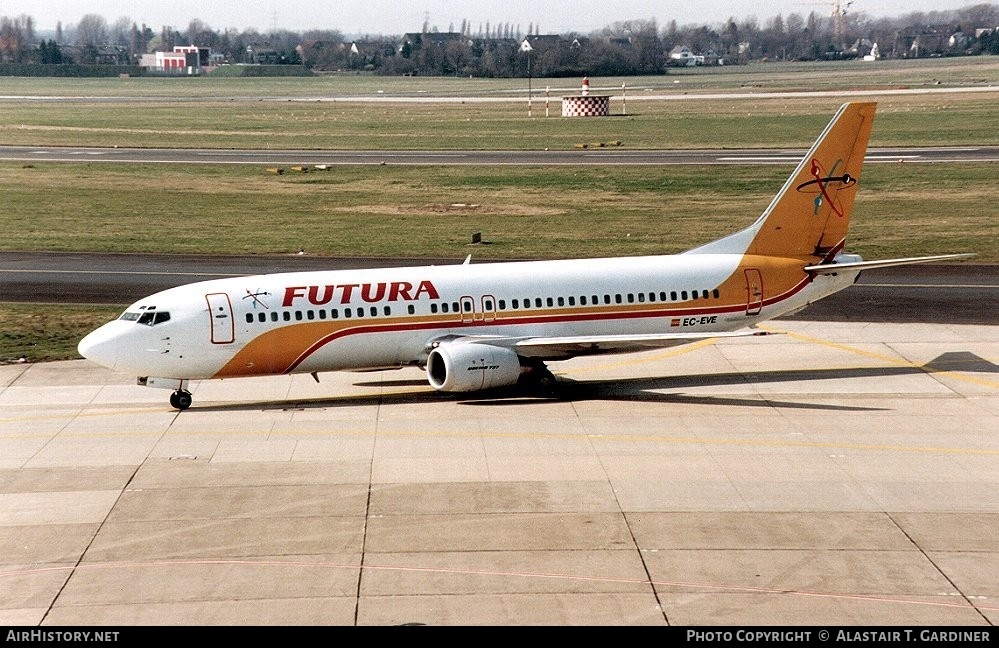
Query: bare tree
{"points": [[92, 30], [121, 32]]}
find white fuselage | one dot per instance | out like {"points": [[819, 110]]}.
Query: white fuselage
{"points": [[347, 319]]}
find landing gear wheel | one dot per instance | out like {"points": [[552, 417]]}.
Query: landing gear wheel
{"points": [[181, 399], [540, 379]]}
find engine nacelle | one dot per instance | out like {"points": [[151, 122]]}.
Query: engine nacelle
{"points": [[465, 367]]}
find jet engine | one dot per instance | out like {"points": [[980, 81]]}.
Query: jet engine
{"points": [[465, 367]]}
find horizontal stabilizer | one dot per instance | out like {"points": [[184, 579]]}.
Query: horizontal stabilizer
{"points": [[832, 268]]}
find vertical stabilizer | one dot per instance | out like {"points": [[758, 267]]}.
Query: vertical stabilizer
{"points": [[809, 217]]}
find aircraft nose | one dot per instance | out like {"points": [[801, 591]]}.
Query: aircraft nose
{"points": [[100, 346]]}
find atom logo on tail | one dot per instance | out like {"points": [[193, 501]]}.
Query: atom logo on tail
{"points": [[824, 181]]}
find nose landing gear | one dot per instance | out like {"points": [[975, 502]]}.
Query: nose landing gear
{"points": [[181, 399]]}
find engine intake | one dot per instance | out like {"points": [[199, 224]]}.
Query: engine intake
{"points": [[465, 367]]}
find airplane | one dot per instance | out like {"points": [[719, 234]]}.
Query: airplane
{"points": [[483, 326]]}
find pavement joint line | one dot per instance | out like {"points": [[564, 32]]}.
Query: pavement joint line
{"points": [[488, 572], [581, 436]]}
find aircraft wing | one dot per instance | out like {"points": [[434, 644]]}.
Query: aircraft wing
{"points": [[566, 346]]}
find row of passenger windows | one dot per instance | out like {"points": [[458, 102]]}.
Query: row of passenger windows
{"points": [[322, 314], [618, 298], [466, 305]]}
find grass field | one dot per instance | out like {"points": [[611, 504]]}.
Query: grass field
{"points": [[522, 212], [903, 120], [903, 209]]}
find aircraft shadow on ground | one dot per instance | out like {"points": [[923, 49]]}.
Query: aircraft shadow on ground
{"points": [[664, 390]]}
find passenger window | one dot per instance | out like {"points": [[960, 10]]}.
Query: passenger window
{"points": [[716, 293], [298, 316], [683, 294], [310, 315], [672, 295], [287, 316], [515, 304], [433, 308], [274, 316], [537, 302], [249, 318], [617, 299], [411, 309]]}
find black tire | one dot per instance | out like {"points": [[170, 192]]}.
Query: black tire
{"points": [[181, 400]]}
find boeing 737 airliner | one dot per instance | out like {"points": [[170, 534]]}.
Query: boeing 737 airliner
{"points": [[473, 327]]}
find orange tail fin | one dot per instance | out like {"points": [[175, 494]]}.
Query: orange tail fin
{"points": [[810, 216]]}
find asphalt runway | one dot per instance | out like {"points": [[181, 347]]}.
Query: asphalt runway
{"points": [[610, 156]]}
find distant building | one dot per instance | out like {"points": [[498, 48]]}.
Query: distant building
{"points": [[416, 40], [184, 59], [917, 42], [682, 56]]}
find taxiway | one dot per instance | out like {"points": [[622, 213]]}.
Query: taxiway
{"points": [[835, 474]]}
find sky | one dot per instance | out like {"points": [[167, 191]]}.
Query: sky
{"points": [[392, 17]]}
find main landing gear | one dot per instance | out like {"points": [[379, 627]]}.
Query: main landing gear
{"points": [[181, 399], [540, 379]]}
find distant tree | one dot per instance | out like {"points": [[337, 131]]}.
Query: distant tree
{"points": [[17, 38], [628, 47], [92, 30], [50, 53], [169, 38]]}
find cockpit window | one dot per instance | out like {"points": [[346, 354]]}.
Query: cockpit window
{"points": [[149, 318], [129, 316]]}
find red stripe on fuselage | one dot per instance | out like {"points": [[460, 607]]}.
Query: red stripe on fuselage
{"points": [[539, 319]]}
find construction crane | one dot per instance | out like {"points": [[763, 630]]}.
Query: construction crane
{"points": [[838, 20]]}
